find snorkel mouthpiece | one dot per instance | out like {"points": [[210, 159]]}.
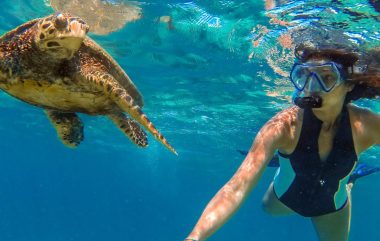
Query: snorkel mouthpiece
{"points": [[303, 102], [308, 102]]}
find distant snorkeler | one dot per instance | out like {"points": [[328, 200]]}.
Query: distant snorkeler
{"points": [[318, 142]]}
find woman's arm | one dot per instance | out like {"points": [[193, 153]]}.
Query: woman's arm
{"points": [[366, 128], [229, 198]]}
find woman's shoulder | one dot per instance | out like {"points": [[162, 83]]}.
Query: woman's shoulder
{"points": [[365, 124], [289, 117], [361, 113], [286, 124]]}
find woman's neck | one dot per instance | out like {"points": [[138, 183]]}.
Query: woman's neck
{"points": [[329, 116]]}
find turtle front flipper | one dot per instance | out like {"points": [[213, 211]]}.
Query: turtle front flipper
{"points": [[68, 126], [120, 96], [131, 129], [126, 103]]}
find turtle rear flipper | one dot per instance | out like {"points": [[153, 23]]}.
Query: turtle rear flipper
{"points": [[131, 129], [68, 126]]}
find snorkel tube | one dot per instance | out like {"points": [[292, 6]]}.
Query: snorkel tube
{"points": [[313, 101]]}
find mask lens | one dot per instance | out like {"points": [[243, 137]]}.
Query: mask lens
{"points": [[299, 76]]}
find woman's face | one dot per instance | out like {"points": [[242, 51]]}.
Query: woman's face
{"points": [[336, 96]]}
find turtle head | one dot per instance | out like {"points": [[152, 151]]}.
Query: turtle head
{"points": [[60, 35]]}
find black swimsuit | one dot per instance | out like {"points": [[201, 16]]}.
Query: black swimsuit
{"points": [[309, 186]]}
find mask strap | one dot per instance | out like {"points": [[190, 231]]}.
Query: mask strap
{"points": [[354, 69]]}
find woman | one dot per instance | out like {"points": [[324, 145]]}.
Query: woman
{"points": [[318, 142]]}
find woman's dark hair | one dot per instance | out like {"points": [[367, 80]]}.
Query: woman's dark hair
{"points": [[366, 83]]}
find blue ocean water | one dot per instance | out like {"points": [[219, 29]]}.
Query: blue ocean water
{"points": [[209, 83]]}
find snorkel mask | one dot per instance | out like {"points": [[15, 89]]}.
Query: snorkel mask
{"points": [[314, 78]]}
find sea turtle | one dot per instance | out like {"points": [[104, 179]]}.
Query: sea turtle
{"points": [[50, 62]]}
